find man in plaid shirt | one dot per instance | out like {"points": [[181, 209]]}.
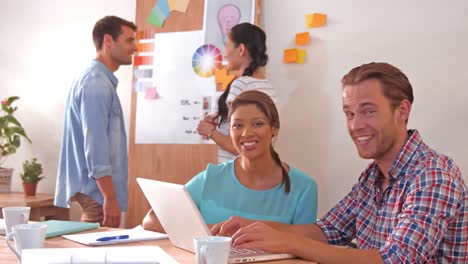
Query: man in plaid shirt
{"points": [[409, 206]]}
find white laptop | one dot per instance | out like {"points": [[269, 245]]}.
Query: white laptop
{"points": [[183, 222]]}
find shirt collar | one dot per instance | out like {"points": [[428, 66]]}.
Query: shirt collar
{"points": [[405, 155], [108, 73]]}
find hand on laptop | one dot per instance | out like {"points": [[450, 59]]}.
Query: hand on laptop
{"points": [[264, 237], [230, 226]]}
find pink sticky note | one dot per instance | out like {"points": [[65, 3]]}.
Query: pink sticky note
{"points": [[151, 93]]}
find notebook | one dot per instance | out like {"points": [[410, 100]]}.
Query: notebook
{"points": [[181, 219], [115, 237], [58, 227]]}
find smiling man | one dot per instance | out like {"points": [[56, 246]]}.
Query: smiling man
{"points": [[93, 166], [410, 205]]}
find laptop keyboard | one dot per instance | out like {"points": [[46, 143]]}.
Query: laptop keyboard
{"points": [[242, 252]]}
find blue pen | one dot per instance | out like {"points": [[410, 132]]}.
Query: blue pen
{"points": [[108, 238]]}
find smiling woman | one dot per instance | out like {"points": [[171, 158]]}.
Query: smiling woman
{"points": [[256, 185]]}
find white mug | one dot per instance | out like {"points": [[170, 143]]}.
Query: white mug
{"points": [[15, 216], [26, 236], [212, 249]]}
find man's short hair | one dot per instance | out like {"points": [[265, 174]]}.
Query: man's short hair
{"points": [[111, 25], [396, 86]]}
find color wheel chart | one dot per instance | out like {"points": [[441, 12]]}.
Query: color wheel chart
{"points": [[206, 60]]}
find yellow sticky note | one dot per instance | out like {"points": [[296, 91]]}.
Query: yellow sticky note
{"points": [[316, 20], [302, 38], [301, 55], [178, 5], [290, 55]]}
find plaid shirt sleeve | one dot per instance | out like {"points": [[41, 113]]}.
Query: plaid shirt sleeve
{"points": [[339, 224], [430, 205]]}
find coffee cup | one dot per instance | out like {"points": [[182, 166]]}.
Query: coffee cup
{"points": [[212, 249], [15, 216], [26, 236]]}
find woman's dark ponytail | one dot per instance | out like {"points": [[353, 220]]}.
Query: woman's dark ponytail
{"points": [[286, 181], [254, 39]]}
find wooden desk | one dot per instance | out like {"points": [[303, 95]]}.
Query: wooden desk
{"points": [[42, 205], [181, 256]]}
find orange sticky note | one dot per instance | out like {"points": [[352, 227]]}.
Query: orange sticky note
{"points": [[316, 20], [223, 78], [301, 55], [219, 75], [302, 38], [290, 55]]}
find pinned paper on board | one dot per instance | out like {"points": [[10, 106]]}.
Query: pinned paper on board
{"points": [[223, 79], [221, 15], [294, 56], [290, 55], [145, 47], [151, 93], [301, 55], [316, 20], [302, 38], [174, 88], [143, 61], [178, 5], [142, 85], [145, 36], [163, 9], [159, 13], [205, 60], [143, 73]]}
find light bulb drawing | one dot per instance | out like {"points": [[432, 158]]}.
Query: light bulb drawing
{"points": [[228, 16]]}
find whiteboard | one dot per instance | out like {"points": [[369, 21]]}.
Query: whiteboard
{"points": [[427, 40]]}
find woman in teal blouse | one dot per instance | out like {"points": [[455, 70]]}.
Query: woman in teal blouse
{"points": [[257, 185]]}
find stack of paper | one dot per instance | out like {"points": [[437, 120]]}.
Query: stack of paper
{"points": [[104, 255], [115, 237]]}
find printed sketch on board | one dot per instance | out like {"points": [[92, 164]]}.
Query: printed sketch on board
{"points": [[222, 15]]}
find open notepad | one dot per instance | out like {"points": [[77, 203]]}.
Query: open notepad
{"points": [[115, 237]]}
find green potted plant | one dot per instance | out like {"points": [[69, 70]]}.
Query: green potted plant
{"points": [[32, 171], [11, 132]]}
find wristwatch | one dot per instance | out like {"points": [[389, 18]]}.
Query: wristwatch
{"points": [[211, 133]]}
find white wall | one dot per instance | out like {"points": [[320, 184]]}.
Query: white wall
{"points": [[46, 42], [427, 39]]}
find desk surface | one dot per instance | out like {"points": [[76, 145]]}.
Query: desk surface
{"points": [[18, 199], [181, 256]]}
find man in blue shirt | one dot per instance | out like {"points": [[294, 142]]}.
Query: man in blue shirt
{"points": [[93, 164]]}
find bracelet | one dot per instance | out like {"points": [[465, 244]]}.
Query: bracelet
{"points": [[211, 133]]}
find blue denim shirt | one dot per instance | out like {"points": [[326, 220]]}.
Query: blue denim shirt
{"points": [[94, 143]]}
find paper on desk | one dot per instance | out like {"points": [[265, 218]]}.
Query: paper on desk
{"points": [[136, 234], [108, 255]]}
